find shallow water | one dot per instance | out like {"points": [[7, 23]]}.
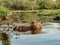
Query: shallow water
{"points": [[51, 37]]}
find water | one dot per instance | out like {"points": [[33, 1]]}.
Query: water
{"points": [[37, 40], [51, 37]]}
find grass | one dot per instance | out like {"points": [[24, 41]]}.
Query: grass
{"points": [[35, 10]]}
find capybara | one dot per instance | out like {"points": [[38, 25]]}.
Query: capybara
{"points": [[35, 28]]}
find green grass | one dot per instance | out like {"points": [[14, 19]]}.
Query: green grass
{"points": [[44, 15]]}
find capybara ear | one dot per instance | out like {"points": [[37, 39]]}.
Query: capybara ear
{"points": [[32, 22]]}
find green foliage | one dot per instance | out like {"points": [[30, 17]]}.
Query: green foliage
{"points": [[3, 12], [8, 4], [44, 15], [28, 15], [58, 6], [17, 6], [48, 15], [30, 4], [42, 5]]}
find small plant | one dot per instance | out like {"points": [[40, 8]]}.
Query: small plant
{"points": [[3, 13], [5, 39]]}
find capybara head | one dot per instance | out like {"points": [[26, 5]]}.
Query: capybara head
{"points": [[36, 24], [36, 27]]}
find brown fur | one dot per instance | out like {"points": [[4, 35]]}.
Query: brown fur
{"points": [[22, 28], [35, 28]]}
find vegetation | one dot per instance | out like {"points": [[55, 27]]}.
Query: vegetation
{"points": [[30, 4], [3, 12], [44, 15], [31, 10], [5, 39], [45, 10]]}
